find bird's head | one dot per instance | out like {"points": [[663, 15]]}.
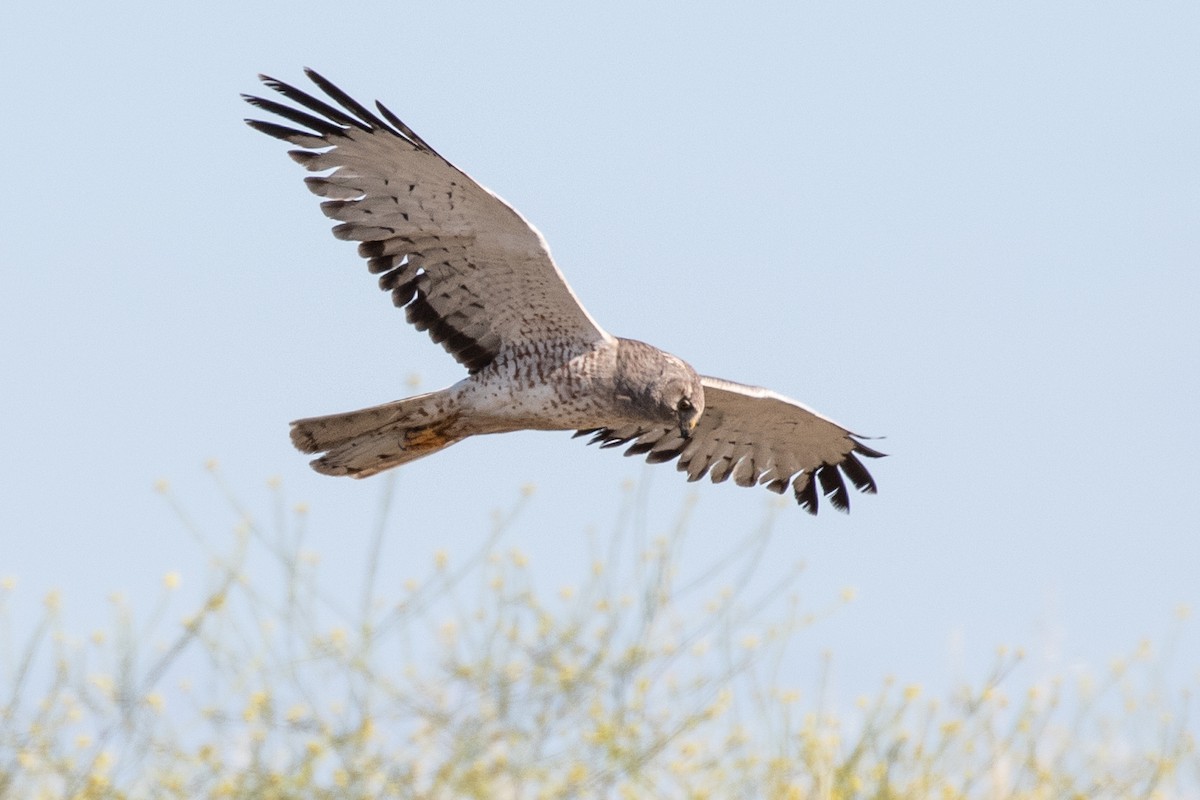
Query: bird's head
{"points": [[659, 387], [688, 414], [682, 401]]}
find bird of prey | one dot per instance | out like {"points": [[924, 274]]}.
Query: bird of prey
{"points": [[473, 273]]}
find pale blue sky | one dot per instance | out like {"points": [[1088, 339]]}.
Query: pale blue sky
{"points": [[971, 228]]}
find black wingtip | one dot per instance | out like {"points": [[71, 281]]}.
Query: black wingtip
{"points": [[858, 474], [344, 100], [834, 488], [274, 84], [869, 452], [319, 126], [278, 131], [805, 490], [327, 111]]}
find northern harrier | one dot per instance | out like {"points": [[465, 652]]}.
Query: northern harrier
{"points": [[472, 272]]}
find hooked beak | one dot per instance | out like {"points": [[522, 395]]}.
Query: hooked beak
{"points": [[687, 423]]}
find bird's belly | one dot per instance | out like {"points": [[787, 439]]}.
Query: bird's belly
{"points": [[498, 406]]}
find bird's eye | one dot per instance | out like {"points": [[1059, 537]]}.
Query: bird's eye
{"points": [[684, 405]]}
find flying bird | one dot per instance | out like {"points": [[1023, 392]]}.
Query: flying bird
{"points": [[476, 276]]}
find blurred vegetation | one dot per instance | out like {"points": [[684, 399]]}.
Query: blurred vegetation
{"points": [[631, 681]]}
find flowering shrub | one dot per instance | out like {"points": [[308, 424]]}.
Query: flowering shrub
{"points": [[471, 683]]}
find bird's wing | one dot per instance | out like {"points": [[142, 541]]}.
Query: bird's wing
{"points": [[464, 264], [756, 436]]}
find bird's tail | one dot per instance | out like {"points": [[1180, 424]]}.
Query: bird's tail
{"points": [[363, 443]]}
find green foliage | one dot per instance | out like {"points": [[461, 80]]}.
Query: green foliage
{"points": [[472, 682]]}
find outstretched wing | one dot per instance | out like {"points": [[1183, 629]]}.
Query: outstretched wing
{"points": [[754, 436], [465, 265]]}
